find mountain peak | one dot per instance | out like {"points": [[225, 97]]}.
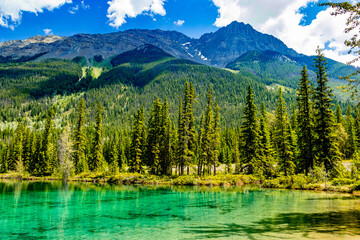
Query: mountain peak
{"points": [[143, 54], [236, 26]]}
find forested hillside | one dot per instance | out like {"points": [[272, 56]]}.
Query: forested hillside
{"points": [[157, 114]]}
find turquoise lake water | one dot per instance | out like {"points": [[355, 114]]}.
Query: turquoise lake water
{"points": [[56, 210]]}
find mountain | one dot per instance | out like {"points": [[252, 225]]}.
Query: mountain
{"points": [[284, 69], [144, 54], [230, 42], [215, 49], [271, 66]]}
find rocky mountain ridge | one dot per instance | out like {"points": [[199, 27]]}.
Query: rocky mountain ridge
{"points": [[215, 49]]}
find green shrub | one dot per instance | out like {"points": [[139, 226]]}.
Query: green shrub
{"points": [[342, 181]]}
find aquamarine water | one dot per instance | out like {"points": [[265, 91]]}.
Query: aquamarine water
{"points": [[54, 210]]}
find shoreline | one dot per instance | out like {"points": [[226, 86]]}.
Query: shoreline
{"points": [[295, 182]]}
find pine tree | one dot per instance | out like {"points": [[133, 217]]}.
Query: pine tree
{"points": [[137, 142], [357, 126], [326, 147], [154, 137], [97, 163], [122, 155], [351, 142], [338, 115], [187, 132], [200, 147], [216, 138], [80, 139], [264, 135], [293, 117], [28, 148], [208, 133], [16, 158], [45, 158], [114, 156], [305, 124], [250, 133], [266, 151], [66, 164], [283, 138], [165, 141]]}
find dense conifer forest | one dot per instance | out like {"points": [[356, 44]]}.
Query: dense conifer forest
{"points": [[179, 131]]}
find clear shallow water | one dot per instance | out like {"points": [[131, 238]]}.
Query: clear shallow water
{"points": [[85, 211]]}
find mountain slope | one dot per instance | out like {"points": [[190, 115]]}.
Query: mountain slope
{"points": [[215, 49], [144, 54], [274, 67]]}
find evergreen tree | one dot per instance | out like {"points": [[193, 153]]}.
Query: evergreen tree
{"points": [[16, 158], [283, 138], [28, 148], [45, 158], [266, 151], [293, 118], [250, 133], [137, 142], [305, 124], [154, 132], [97, 162], [187, 136], [80, 139], [326, 148], [216, 138], [200, 147], [350, 129], [166, 140], [66, 164], [208, 132], [338, 115], [357, 126], [264, 135], [114, 156]]}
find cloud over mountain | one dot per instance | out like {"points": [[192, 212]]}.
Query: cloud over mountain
{"points": [[11, 10], [119, 10], [284, 19]]}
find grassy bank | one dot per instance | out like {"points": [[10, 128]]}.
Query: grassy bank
{"points": [[296, 182]]}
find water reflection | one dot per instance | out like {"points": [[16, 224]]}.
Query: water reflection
{"points": [[86, 210], [339, 223]]}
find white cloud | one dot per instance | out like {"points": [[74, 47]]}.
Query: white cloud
{"points": [[75, 8], [179, 22], [11, 10], [119, 10], [48, 31], [282, 19]]}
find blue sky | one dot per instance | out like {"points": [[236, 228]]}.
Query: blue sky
{"points": [[301, 24]]}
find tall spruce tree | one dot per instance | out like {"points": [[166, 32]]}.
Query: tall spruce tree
{"points": [[305, 124], [338, 115], [65, 150], [137, 142], [216, 138], [266, 150], [187, 134], [250, 134], [80, 139], [350, 129], [97, 162], [283, 138], [45, 157], [325, 144], [154, 137], [357, 126], [166, 140], [208, 133], [114, 156]]}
